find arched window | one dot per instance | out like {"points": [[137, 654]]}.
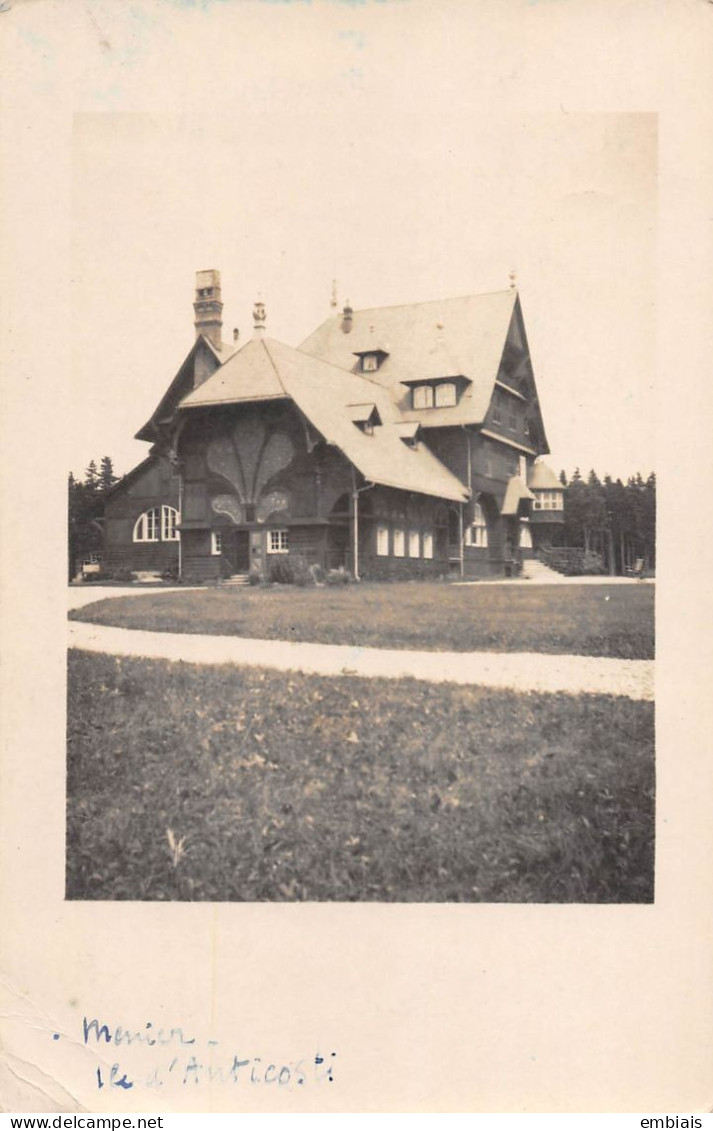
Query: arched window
{"points": [[169, 518], [147, 526], [157, 523], [477, 533]]}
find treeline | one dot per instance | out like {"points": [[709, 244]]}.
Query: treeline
{"points": [[86, 508], [612, 519]]}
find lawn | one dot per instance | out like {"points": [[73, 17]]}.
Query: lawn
{"points": [[597, 620], [228, 784]]}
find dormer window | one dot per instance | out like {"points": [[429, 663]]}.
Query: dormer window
{"points": [[409, 432], [437, 392], [365, 417], [371, 359], [446, 395], [423, 396]]}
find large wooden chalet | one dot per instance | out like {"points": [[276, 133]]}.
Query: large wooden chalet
{"points": [[394, 442]]}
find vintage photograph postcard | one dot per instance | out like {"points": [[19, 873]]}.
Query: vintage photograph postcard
{"points": [[356, 629]]}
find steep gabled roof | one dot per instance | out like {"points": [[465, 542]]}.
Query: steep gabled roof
{"points": [[457, 337], [249, 375], [181, 383], [128, 479], [265, 369]]}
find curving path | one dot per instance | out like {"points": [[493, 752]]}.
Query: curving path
{"points": [[517, 671]]}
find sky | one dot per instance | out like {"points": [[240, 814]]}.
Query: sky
{"points": [[290, 144], [283, 203]]}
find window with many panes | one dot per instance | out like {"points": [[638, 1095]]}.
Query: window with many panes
{"points": [[278, 542], [548, 501], [147, 526], [216, 542], [382, 540], [497, 409], [169, 518], [427, 544], [414, 544], [399, 542], [157, 524]]}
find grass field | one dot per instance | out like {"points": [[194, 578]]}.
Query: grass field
{"points": [[601, 620], [290, 787]]}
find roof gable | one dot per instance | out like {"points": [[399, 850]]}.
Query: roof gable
{"points": [[516, 379], [328, 397], [459, 337], [204, 353], [249, 375]]}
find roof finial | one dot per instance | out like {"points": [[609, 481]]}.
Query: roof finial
{"points": [[259, 317], [333, 302], [512, 279]]}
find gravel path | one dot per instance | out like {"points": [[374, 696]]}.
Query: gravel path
{"points": [[518, 671]]}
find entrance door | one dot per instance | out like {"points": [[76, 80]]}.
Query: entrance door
{"points": [[337, 545], [237, 550]]}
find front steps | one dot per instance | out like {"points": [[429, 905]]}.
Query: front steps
{"points": [[535, 570], [236, 580]]}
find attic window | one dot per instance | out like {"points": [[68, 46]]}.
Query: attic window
{"points": [[437, 393], [446, 394], [423, 396], [365, 417], [371, 359]]}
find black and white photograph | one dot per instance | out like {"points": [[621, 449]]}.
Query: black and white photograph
{"points": [[356, 659], [383, 573]]}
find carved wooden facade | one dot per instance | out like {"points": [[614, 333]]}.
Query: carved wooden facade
{"points": [[267, 455]]}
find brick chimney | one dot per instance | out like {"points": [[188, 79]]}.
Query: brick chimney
{"points": [[208, 307], [347, 318]]}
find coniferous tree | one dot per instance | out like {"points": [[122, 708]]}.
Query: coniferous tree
{"points": [[86, 508], [613, 519], [106, 474], [91, 476]]}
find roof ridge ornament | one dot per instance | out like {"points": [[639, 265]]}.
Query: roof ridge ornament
{"points": [[259, 318], [513, 279]]}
